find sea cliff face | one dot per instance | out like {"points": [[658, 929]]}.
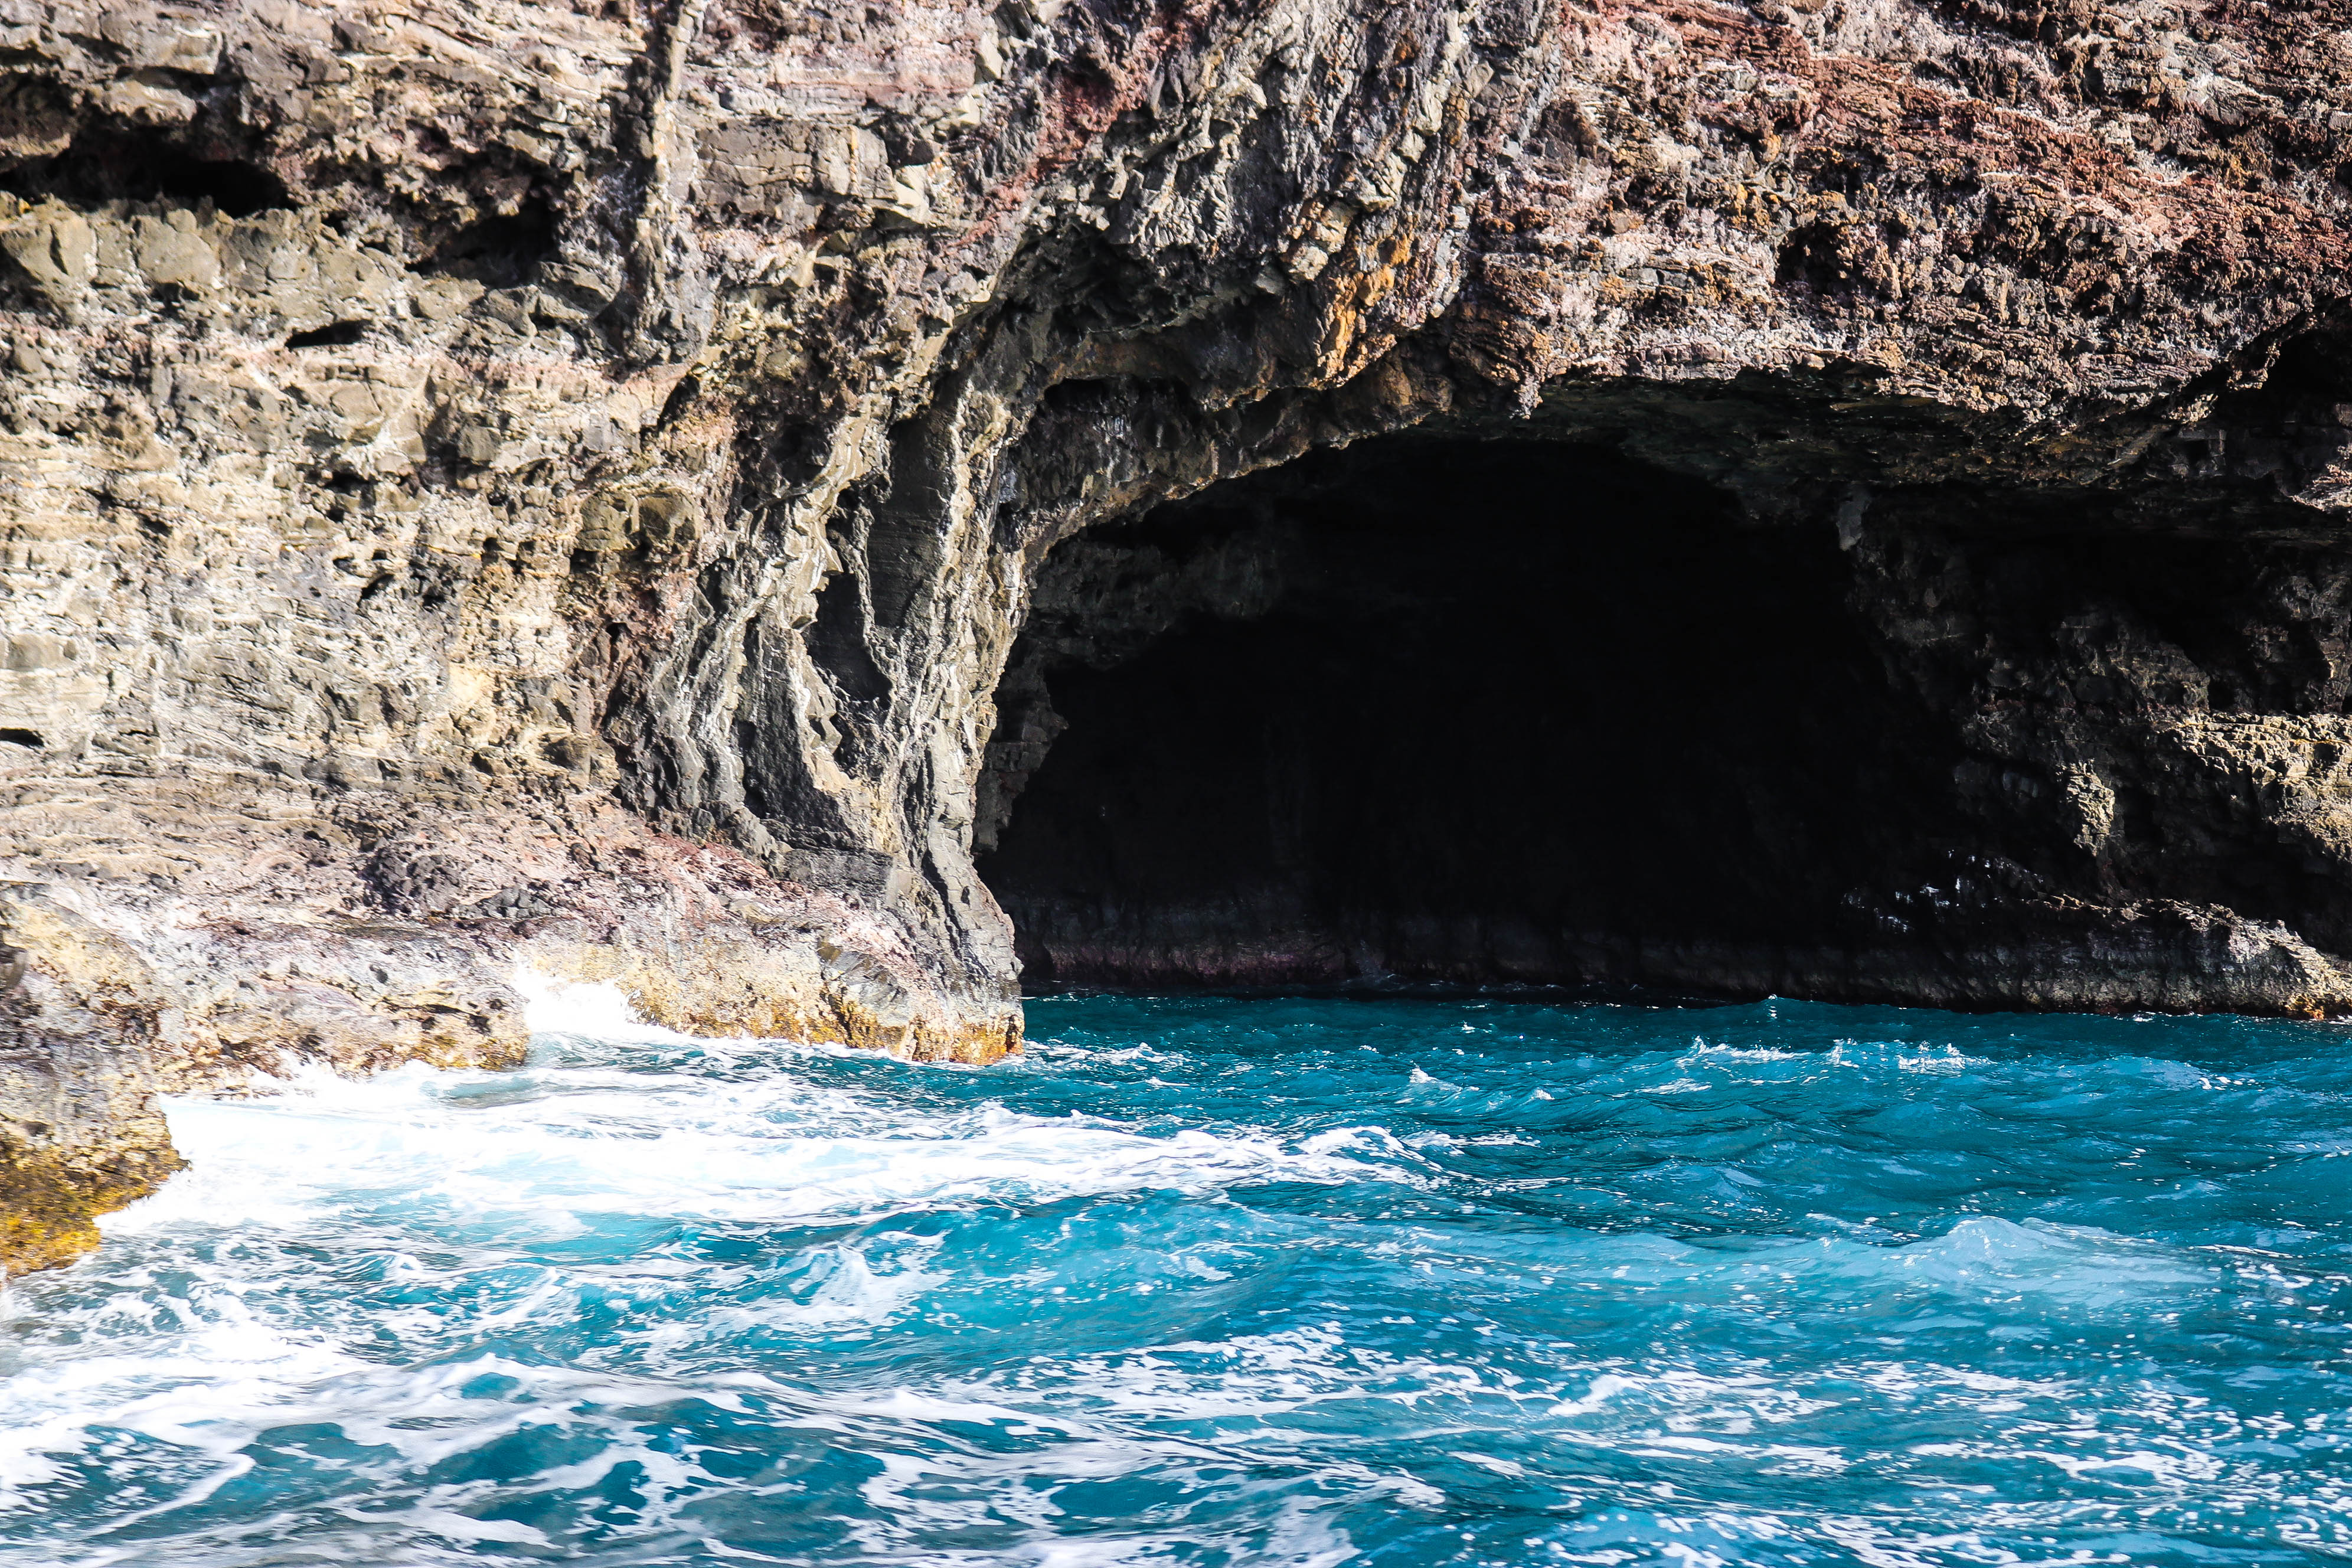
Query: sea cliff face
{"points": [[494, 487]]}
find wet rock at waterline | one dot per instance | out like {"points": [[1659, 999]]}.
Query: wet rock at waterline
{"points": [[563, 488]]}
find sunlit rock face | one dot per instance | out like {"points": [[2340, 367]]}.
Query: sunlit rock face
{"points": [[494, 486]]}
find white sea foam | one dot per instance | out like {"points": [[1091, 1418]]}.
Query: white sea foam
{"points": [[534, 1157], [269, 1163], [594, 1009], [443, 1318]]}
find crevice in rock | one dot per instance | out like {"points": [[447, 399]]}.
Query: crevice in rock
{"points": [[497, 252], [837, 641], [114, 164], [341, 336]]}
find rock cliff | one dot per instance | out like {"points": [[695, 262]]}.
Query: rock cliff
{"points": [[495, 487]]}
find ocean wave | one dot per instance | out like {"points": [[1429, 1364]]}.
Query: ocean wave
{"points": [[1233, 1282]]}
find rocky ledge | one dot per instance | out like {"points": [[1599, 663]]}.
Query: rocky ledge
{"points": [[1831, 496]]}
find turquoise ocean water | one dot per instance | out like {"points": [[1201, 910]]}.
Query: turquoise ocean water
{"points": [[1221, 1282]]}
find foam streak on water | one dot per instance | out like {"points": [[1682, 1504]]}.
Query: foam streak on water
{"points": [[1233, 1282]]}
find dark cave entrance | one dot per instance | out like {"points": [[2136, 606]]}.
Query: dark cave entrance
{"points": [[1451, 712]]}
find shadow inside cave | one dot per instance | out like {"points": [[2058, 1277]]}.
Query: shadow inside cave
{"points": [[1455, 711]]}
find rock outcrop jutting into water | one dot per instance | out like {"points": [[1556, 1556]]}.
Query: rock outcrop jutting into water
{"points": [[1841, 496]]}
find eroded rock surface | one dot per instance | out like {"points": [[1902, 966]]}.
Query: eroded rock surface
{"points": [[492, 485]]}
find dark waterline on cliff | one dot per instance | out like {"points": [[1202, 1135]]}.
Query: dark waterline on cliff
{"points": [[1219, 1281]]}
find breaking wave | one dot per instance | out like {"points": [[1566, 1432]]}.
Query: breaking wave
{"points": [[1218, 1282]]}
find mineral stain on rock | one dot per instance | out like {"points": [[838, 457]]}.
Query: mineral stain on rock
{"points": [[1841, 496]]}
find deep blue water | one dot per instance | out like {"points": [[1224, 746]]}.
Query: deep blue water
{"points": [[1222, 1283]]}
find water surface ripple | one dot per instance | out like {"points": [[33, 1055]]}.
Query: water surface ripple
{"points": [[1218, 1283]]}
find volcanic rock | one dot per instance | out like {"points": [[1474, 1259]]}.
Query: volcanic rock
{"points": [[642, 491]]}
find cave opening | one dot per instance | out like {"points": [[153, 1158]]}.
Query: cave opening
{"points": [[1453, 711]]}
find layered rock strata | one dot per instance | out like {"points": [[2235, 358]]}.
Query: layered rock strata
{"points": [[495, 486]]}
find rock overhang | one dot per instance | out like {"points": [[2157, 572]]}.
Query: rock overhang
{"points": [[616, 447]]}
